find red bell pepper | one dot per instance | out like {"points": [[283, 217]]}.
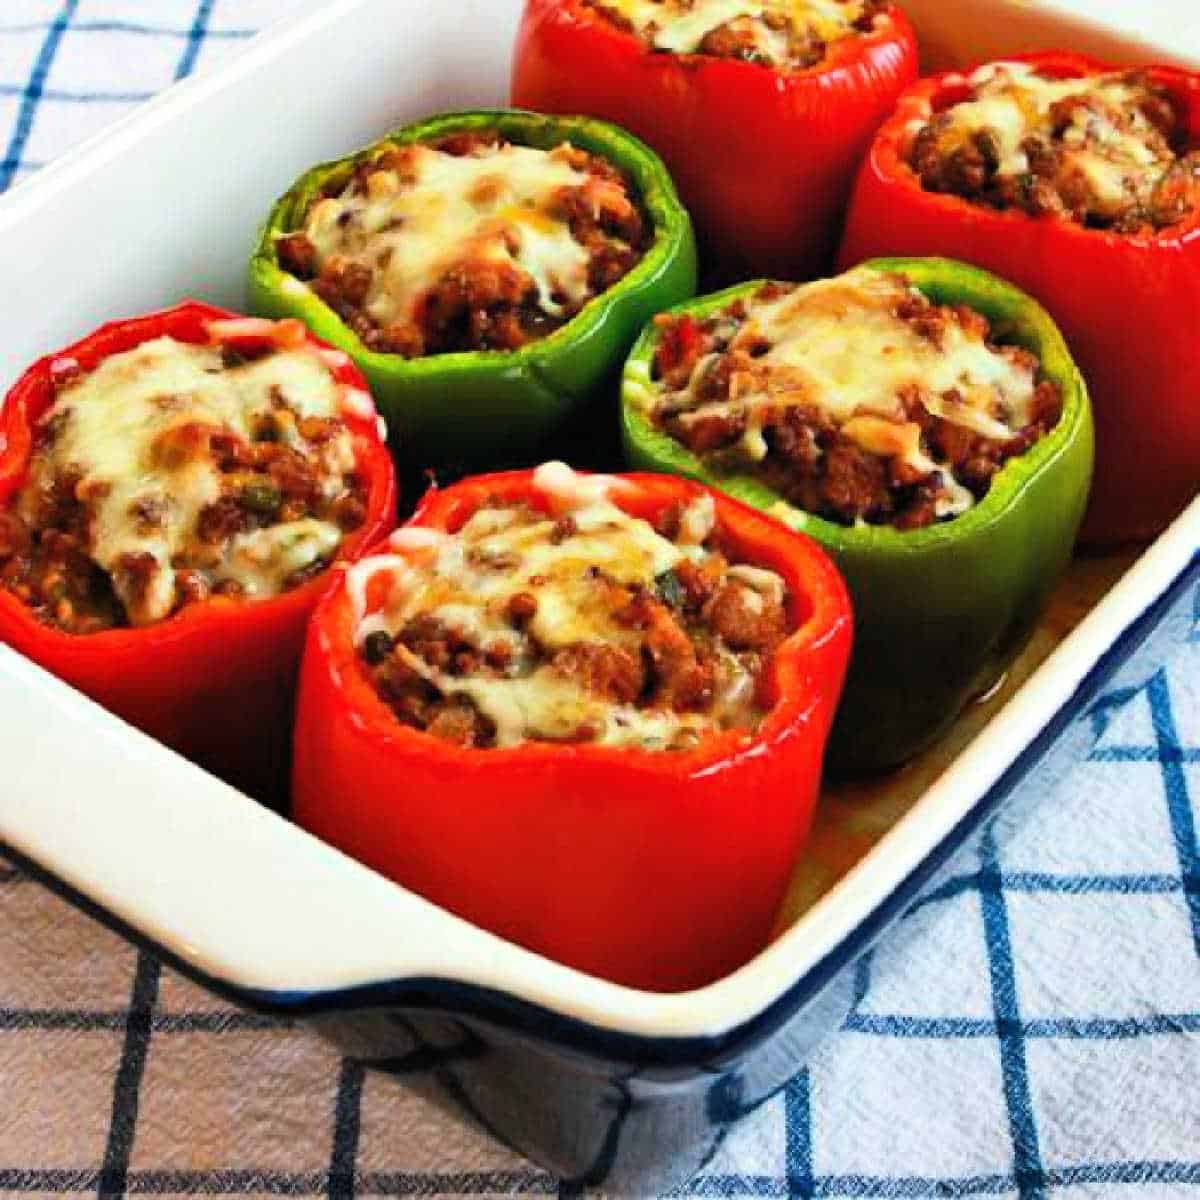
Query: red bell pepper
{"points": [[763, 158], [657, 869], [1128, 304], [215, 682]]}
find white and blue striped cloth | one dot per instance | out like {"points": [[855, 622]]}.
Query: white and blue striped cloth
{"points": [[68, 69], [1033, 1030]]}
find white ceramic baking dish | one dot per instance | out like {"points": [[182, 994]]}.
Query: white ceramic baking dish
{"points": [[165, 205]]}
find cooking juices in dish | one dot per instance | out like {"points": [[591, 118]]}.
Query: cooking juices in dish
{"points": [[762, 109], [488, 271], [173, 488], [920, 418], [856, 398], [1080, 183], [586, 712]]}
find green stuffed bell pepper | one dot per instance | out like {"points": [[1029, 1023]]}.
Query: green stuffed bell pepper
{"points": [[920, 418], [487, 271]]}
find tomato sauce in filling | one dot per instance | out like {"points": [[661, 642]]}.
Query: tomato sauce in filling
{"points": [[1108, 151], [467, 243], [782, 34], [175, 472], [587, 625], [855, 398]]}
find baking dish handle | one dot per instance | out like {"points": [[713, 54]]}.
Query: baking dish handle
{"points": [[196, 867]]}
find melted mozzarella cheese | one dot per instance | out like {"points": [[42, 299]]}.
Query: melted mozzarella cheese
{"points": [[261, 560], [133, 431], [838, 345], [680, 26], [467, 580], [849, 351], [496, 203], [1014, 103]]}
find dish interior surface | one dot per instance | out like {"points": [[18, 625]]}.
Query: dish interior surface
{"points": [[247, 141], [1120, 31], [855, 815]]}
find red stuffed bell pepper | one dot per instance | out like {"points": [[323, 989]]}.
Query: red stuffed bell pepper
{"points": [[762, 110], [172, 490], [1081, 184], [585, 712]]}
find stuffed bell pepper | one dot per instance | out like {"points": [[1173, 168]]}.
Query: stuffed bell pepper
{"points": [[1081, 183], [586, 712], [487, 271], [762, 109], [920, 418], [173, 492]]}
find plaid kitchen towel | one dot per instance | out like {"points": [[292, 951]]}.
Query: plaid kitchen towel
{"points": [[1032, 1029], [69, 68]]}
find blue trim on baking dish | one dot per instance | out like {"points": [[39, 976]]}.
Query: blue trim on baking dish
{"points": [[524, 1017]]}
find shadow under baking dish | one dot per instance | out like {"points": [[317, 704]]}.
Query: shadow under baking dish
{"points": [[635, 1114]]}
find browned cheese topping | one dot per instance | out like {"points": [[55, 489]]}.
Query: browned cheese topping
{"points": [[467, 243], [584, 624], [174, 472], [1108, 151], [783, 34], [855, 398]]}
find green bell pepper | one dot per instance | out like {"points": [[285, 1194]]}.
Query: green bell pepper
{"points": [[940, 612], [491, 405]]}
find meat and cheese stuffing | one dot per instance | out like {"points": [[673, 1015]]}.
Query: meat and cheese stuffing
{"points": [[467, 243], [582, 624], [785, 34], [173, 472], [1108, 151], [855, 398]]}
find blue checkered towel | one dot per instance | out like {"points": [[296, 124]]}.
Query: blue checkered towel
{"points": [[1032, 1030], [69, 69]]}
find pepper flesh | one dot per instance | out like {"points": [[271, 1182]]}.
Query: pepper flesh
{"points": [[1128, 304], [217, 681], [656, 869], [764, 158], [485, 406], [940, 612]]}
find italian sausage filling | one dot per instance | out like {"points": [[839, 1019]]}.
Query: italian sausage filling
{"points": [[1108, 151], [581, 624], [174, 472], [784, 34], [856, 398], [467, 243]]}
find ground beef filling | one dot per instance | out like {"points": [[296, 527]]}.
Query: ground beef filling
{"points": [[897, 459], [467, 243], [781, 34], [577, 653], [1109, 152], [292, 475]]}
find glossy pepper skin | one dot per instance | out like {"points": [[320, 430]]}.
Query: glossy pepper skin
{"points": [[940, 612], [657, 869], [763, 158], [216, 682], [1128, 305], [485, 406]]}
